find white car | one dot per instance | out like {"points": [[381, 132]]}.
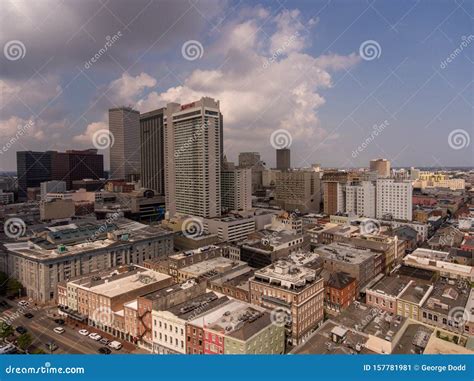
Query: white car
{"points": [[95, 336], [23, 303], [59, 330], [83, 332], [115, 345]]}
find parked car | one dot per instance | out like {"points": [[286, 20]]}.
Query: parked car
{"points": [[104, 351], [95, 336], [51, 346], [59, 321], [115, 345], [59, 330], [104, 341], [7, 349], [21, 330], [23, 303], [29, 315], [83, 332]]}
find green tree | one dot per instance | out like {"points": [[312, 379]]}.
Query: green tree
{"points": [[5, 330], [3, 283], [24, 341], [14, 287]]}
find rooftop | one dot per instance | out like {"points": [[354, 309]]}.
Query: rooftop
{"points": [[84, 235], [285, 274], [415, 292], [448, 295], [390, 285], [344, 253], [236, 319], [211, 267], [118, 284], [195, 307]]}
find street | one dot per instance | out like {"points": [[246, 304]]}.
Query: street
{"points": [[41, 326]]}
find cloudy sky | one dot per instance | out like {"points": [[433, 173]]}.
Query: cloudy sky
{"points": [[324, 71]]}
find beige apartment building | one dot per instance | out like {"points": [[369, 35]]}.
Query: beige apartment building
{"points": [[298, 189], [286, 287]]}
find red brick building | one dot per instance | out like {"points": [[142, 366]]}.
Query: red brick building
{"points": [[194, 339], [340, 292], [213, 342]]}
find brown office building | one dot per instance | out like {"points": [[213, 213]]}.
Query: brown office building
{"points": [[283, 159], [74, 165], [152, 173]]}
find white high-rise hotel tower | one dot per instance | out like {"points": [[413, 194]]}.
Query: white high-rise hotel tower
{"points": [[193, 151]]}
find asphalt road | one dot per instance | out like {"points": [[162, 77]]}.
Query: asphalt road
{"points": [[41, 329]]}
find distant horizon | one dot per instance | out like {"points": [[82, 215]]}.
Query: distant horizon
{"points": [[342, 81]]}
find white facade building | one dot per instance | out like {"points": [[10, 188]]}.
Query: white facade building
{"points": [[360, 199], [236, 191], [394, 198], [193, 151]]}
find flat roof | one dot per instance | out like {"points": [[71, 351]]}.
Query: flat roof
{"points": [[448, 295], [216, 265], [128, 283], [345, 253], [415, 292], [390, 285]]}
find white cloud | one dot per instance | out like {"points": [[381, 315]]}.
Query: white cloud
{"points": [[33, 94], [258, 91], [86, 137], [127, 88]]}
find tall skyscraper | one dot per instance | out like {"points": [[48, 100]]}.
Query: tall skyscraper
{"points": [[152, 173], [124, 124], [248, 159], [394, 199], [283, 159], [236, 185], [360, 199], [77, 165], [334, 187], [33, 168], [381, 166], [252, 160], [298, 189], [193, 154]]}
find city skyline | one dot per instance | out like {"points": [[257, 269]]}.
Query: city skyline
{"points": [[302, 69]]}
